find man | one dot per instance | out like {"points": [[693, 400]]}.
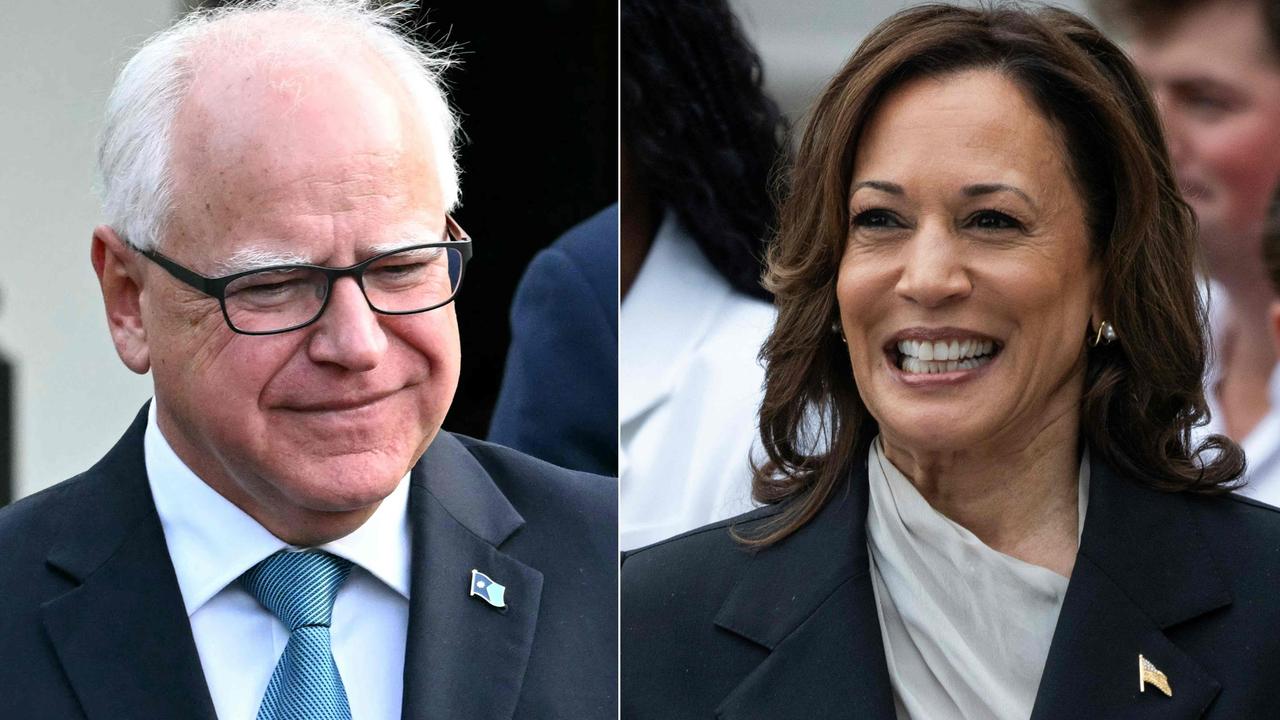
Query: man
{"points": [[1214, 68], [284, 531]]}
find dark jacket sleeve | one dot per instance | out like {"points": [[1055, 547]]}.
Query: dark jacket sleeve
{"points": [[559, 397]]}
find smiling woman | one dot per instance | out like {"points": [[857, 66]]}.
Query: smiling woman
{"points": [[982, 498]]}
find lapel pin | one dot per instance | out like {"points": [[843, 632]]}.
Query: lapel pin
{"points": [[1149, 675], [483, 587]]}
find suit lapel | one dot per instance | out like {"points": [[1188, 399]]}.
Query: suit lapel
{"points": [[818, 619], [1141, 568], [465, 659], [122, 634]]}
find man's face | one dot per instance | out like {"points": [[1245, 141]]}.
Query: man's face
{"points": [[1217, 82], [325, 166]]}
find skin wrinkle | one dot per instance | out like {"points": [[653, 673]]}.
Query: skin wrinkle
{"points": [[998, 453]]}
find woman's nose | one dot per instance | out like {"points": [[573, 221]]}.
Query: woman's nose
{"points": [[933, 268]]}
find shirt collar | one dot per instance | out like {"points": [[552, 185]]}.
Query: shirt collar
{"points": [[212, 542]]}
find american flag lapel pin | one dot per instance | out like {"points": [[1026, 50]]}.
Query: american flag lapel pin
{"points": [[1149, 675]]}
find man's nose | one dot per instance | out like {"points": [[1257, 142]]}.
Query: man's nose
{"points": [[349, 333], [933, 268]]}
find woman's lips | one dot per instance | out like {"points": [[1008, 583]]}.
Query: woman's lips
{"points": [[939, 358]]}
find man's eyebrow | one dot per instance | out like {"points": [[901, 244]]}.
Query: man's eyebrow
{"points": [[407, 237], [254, 258], [980, 189]]}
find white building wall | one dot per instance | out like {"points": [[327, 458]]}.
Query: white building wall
{"points": [[73, 395]]}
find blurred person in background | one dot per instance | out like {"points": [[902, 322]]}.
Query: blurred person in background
{"points": [[1214, 69], [983, 497], [700, 140], [559, 397]]}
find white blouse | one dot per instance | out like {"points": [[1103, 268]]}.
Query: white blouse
{"points": [[966, 629]]}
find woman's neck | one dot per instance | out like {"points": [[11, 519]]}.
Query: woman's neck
{"points": [[1021, 499]]}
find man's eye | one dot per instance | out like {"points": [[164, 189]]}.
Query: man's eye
{"points": [[876, 219], [993, 220], [399, 270]]}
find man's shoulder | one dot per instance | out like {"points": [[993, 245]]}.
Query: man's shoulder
{"points": [[530, 483], [41, 515]]}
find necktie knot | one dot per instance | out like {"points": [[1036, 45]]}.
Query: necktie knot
{"points": [[298, 587]]}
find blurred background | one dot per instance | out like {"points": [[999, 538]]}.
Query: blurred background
{"points": [[537, 90], [803, 42]]}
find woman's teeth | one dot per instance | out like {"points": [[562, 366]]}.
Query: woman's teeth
{"points": [[925, 356]]}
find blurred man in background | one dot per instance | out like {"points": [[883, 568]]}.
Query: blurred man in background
{"points": [[1214, 68]]}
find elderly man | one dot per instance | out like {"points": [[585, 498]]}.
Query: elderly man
{"points": [[1214, 68], [285, 532]]}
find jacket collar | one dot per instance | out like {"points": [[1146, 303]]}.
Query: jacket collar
{"points": [[809, 601], [1142, 568], [122, 632], [125, 642], [464, 657]]}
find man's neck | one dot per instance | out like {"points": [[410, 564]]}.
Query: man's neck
{"points": [[1246, 357]]}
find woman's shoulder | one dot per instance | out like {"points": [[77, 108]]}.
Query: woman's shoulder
{"points": [[714, 548], [1244, 536]]}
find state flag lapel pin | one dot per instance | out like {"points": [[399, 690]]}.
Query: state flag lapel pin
{"points": [[483, 587], [1149, 675]]}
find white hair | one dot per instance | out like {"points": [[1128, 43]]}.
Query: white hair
{"points": [[135, 172]]}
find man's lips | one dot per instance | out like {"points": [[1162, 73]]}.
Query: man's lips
{"points": [[354, 402]]}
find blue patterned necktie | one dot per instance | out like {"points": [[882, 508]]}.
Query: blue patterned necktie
{"points": [[299, 588]]}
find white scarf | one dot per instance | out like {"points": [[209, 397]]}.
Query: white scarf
{"points": [[966, 629]]}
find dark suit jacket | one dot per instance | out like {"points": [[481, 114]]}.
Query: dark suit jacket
{"points": [[791, 631], [92, 624], [559, 398]]}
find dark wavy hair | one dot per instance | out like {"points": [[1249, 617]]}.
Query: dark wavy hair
{"points": [[702, 133], [1143, 394]]}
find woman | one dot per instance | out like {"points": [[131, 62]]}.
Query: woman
{"points": [[699, 139], [982, 502]]}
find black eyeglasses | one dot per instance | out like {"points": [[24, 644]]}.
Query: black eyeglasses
{"points": [[281, 298]]}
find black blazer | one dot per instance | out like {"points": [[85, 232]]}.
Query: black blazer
{"points": [[92, 623], [791, 631]]}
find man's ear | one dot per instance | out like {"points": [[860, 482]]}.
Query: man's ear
{"points": [[120, 278]]}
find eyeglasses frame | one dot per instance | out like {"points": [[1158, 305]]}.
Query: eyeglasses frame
{"points": [[216, 288]]}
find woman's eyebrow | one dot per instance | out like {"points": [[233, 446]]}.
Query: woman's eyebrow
{"points": [[881, 185], [992, 188]]}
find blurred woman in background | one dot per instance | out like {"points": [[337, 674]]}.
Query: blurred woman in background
{"points": [[699, 141]]}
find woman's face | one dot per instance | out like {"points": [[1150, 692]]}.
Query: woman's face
{"points": [[965, 289]]}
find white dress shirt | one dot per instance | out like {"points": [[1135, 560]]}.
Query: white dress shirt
{"points": [[688, 407], [1262, 445], [966, 628], [212, 542]]}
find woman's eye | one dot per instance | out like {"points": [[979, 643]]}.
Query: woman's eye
{"points": [[876, 219], [992, 220]]}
